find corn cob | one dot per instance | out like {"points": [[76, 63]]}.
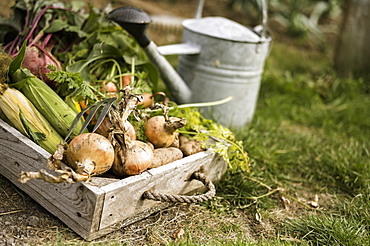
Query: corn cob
{"points": [[26, 119], [59, 114]]}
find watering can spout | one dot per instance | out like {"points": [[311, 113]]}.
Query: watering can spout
{"points": [[135, 22], [175, 83]]}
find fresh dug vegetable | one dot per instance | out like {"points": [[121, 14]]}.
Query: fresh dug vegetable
{"points": [[176, 142], [106, 126], [126, 80], [160, 130], [148, 100], [51, 106], [37, 60], [190, 147], [163, 156], [111, 89], [131, 156], [135, 158], [90, 154], [57, 112], [26, 119]]}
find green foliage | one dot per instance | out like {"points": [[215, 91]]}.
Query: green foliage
{"points": [[296, 18], [5, 61], [34, 19], [73, 85], [100, 51]]}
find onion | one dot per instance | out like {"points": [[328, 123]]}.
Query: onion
{"points": [[111, 87], [161, 131], [148, 100], [90, 154], [131, 156], [106, 126], [125, 80], [133, 159]]}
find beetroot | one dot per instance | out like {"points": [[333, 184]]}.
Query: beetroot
{"points": [[37, 59]]}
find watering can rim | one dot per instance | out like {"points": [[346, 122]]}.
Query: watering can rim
{"points": [[262, 39]]}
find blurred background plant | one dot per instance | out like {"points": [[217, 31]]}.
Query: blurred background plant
{"points": [[310, 20]]}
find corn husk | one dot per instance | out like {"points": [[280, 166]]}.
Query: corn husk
{"points": [[59, 114], [26, 119]]}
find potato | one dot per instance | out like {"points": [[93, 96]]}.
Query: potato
{"points": [[163, 156], [191, 147], [183, 139]]}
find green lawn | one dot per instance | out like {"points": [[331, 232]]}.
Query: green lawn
{"points": [[309, 182], [309, 138], [310, 168]]}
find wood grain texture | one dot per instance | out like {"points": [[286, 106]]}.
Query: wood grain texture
{"points": [[123, 198], [77, 205], [93, 209]]}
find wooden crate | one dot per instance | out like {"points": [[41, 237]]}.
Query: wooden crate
{"points": [[105, 204]]}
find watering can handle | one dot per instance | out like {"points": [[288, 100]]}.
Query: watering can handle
{"points": [[198, 13], [264, 19], [264, 6]]}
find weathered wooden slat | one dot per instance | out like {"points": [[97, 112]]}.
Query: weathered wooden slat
{"points": [[105, 204], [123, 198], [74, 204]]}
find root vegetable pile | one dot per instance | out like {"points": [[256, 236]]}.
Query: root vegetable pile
{"points": [[114, 148], [86, 92]]}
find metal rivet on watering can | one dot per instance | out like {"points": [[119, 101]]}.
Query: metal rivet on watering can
{"points": [[218, 58]]}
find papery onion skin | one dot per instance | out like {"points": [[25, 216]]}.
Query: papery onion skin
{"points": [[105, 126], [125, 80], [161, 132], [90, 153], [148, 100], [133, 160]]}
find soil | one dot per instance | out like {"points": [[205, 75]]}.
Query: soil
{"points": [[25, 222]]}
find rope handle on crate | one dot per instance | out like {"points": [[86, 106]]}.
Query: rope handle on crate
{"points": [[182, 198]]}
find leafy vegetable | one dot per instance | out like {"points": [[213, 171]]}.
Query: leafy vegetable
{"points": [[33, 21], [73, 85], [95, 51]]}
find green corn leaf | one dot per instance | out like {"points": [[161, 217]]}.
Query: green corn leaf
{"points": [[34, 136], [17, 61]]}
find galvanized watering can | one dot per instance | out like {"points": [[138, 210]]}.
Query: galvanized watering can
{"points": [[218, 58]]}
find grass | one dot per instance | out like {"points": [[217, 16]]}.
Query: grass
{"points": [[310, 135], [308, 142]]}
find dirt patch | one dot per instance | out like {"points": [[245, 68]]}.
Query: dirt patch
{"points": [[24, 222]]}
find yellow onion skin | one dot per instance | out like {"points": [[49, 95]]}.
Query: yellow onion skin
{"points": [[90, 153], [148, 100], [105, 126], [161, 132], [133, 160]]}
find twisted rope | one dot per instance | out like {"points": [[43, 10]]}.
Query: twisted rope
{"points": [[185, 199]]}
